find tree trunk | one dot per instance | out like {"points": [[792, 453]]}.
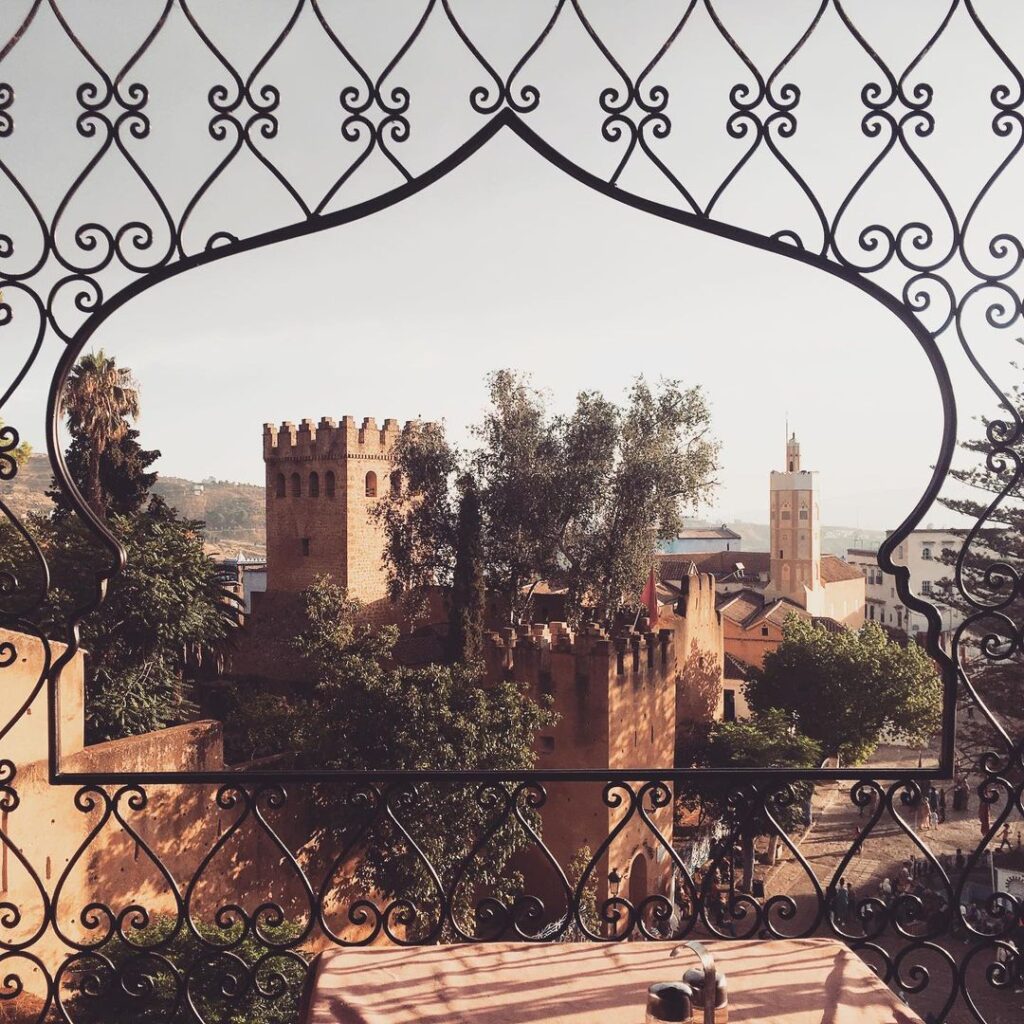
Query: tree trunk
{"points": [[747, 882], [94, 488]]}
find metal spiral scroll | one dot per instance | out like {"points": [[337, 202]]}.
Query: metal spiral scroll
{"points": [[65, 268]]}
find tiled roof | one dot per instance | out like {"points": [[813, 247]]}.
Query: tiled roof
{"points": [[705, 533], [748, 608], [780, 610], [719, 563], [827, 623], [733, 668], [834, 569], [741, 606]]}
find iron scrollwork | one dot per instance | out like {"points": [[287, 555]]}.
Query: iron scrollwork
{"points": [[65, 270]]}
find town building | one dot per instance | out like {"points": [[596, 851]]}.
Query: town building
{"points": [[924, 553], [758, 590], [693, 539]]}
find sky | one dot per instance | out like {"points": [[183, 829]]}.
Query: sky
{"points": [[508, 263]]}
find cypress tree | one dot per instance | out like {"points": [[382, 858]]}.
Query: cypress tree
{"points": [[466, 618]]}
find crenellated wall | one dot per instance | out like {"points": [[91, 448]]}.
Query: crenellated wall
{"points": [[615, 698]]}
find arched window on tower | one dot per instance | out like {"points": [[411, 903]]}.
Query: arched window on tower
{"points": [[296, 485], [280, 485], [396, 483], [329, 483], [314, 484], [371, 484]]}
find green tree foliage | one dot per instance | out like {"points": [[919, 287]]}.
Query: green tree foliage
{"points": [[767, 739], [125, 479], [146, 990], [1000, 541], [574, 500], [99, 399], [844, 689], [365, 712], [168, 600]]}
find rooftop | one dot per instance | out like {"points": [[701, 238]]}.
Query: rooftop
{"points": [[708, 533]]}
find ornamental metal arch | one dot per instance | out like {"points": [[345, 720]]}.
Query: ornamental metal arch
{"points": [[67, 288]]}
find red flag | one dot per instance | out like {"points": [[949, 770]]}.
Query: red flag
{"points": [[650, 600]]}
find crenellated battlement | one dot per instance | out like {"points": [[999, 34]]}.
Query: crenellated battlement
{"points": [[522, 653], [331, 439]]}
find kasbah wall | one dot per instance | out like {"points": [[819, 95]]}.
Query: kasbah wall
{"points": [[180, 824], [621, 702], [321, 482]]}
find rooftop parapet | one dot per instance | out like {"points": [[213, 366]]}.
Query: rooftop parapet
{"points": [[331, 439], [648, 647]]}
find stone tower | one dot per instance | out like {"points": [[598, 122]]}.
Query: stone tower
{"points": [[795, 527], [322, 481]]}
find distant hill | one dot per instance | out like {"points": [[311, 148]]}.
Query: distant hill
{"points": [[835, 540], [234, 513]]}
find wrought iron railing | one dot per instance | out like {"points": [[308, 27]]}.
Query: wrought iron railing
{"points": [[66, 267]]}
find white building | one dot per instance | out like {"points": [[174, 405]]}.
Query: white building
{"points": [[697, 539], [923, 553]]}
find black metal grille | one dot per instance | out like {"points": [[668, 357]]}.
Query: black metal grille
{"points": [[64, 270]]}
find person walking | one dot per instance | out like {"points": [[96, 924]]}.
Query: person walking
{"points": [[1004, 839], [885, 890], [841, 903]]}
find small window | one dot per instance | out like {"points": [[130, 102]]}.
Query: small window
{"points": [[305, 546], [314, 485], [926, 586], [781, 555], [371, 484], [280, 485], [329, 483], [296, 485], [926, 554], [871, 611], [729, 705], [803, 513], [786, 514], [764, 630]]}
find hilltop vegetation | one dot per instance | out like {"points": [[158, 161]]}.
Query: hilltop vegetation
{"points": [[233, 513]]}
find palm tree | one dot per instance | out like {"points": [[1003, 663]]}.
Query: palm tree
{"points": [[99, 398]]}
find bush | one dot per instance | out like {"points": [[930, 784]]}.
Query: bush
{"points": [[251, 983]]}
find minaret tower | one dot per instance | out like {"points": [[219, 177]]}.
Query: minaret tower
{"points": [[795, 527]]}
